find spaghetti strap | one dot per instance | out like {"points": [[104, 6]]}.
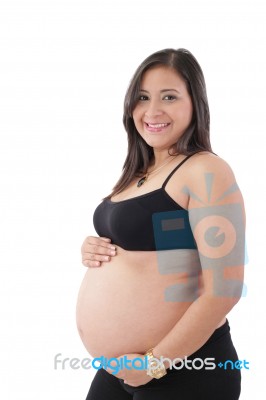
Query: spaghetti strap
{"points": [[174, 170]]}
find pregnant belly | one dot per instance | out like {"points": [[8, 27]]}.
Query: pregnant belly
{"points": [[129, 304]]}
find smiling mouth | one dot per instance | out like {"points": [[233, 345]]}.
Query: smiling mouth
{"points": [[157, 126]]}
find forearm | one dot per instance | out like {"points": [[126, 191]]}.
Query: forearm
{"points": [[194, 328]]}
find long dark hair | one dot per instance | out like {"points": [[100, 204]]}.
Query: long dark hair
{"points": [[196, 137]]}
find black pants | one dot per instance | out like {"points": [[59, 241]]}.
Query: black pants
{"points": [[221, 383]]}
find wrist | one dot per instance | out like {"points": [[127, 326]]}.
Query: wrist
{"points": [[156, 368], [157, 354]]}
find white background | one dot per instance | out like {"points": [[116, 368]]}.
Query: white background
{"points": [[65, 66]]}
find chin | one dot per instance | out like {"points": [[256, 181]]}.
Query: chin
{"points": [[158, 143]]}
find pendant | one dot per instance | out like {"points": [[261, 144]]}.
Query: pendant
{"points": [[141, 181]]}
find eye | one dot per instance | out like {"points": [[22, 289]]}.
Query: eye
{"points": [[170, 97], [143, 97]]}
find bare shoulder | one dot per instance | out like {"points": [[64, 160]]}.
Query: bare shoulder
{"points": [[210, 177], [206, 162]]}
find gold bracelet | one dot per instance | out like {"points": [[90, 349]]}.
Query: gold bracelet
{"points": [[156, 368]]}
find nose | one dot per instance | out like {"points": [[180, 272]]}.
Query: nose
{"points": [[153, 109]]}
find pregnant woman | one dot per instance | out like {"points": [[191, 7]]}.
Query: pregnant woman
{"points": [[167, 265]]}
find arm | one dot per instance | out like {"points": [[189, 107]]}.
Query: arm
{"points": [[222, 275]]}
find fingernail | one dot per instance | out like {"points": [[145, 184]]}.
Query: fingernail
{"points": [[112, 247], [113, 253], [106, 258]]}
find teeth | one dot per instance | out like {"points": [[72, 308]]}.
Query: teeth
{"points": [[157, 125]]}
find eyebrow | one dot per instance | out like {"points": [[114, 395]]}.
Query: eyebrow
{"points": [[162, 91]]}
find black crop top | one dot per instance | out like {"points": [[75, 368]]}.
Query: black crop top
{"points": [[152, 221]]}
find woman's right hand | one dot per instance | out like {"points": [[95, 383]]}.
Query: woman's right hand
{"points": [[95, 250]]}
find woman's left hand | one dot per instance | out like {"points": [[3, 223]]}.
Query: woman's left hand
{"points": [[133, 375]]}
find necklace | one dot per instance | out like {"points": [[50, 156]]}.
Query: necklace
{"points": [[142, 180]]}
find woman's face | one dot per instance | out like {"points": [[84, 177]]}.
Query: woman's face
{"points": [[164, 109]]}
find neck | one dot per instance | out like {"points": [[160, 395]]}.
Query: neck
{"points": [[160, 157]]}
